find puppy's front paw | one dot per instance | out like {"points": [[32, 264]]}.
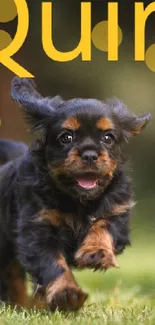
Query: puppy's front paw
{"points": [[66, 298], [95, 258]]}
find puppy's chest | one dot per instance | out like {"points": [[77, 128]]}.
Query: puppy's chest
{"points": [[71, 227], [73, 221]]}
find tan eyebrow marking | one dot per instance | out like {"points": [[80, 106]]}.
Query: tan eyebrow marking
{"points": [[104, 123], [71, 123]]}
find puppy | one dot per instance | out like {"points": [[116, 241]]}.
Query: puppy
{"points": [[66, 202]]}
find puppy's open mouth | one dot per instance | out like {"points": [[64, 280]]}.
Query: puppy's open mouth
{"points": [[87, 181]]}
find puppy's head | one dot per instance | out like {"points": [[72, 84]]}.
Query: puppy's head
{"points": [[83, 137]]}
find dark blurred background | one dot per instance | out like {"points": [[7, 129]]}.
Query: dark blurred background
{"points": [[126, 79]]}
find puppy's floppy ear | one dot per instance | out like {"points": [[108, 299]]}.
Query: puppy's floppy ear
{"points": [[134, 125], [36, 108], [130, 123]]}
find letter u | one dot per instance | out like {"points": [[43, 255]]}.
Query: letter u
{"points": [[84, 46]]}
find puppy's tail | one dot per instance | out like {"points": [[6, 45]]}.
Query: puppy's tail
{"points": [[10, 150]]}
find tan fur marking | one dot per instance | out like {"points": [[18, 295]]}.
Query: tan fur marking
{"points": [[16, 285], [72, 162], [109, 164], [55, 171], [73, 159], [51, 215], [138, 129], [98, 240], [104, 124], [64, 285], [121, 209], [58, 218], [71, 123]]}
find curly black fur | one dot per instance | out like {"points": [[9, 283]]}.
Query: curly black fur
{"points": [[10, 150]]}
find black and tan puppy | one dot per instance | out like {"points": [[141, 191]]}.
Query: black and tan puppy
{"points": [[66, 202]]}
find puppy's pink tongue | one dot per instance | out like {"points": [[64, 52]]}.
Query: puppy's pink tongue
{"points": [[87, 182]]}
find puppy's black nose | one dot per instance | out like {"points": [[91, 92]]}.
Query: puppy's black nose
{"points": [[89, 156]]}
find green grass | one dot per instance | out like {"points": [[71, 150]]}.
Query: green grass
{"points": [[94, 314], [119, 296]]}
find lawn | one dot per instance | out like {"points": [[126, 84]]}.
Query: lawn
{"points": [[119, 296]]}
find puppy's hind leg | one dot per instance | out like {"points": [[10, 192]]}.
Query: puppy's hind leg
{"points": [[16, 284], [6, 254], [12, 275], [13, 285], [3, 290]]}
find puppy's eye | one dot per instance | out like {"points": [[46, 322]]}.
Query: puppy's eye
{"points": [[66, 138], [108, 138]]}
